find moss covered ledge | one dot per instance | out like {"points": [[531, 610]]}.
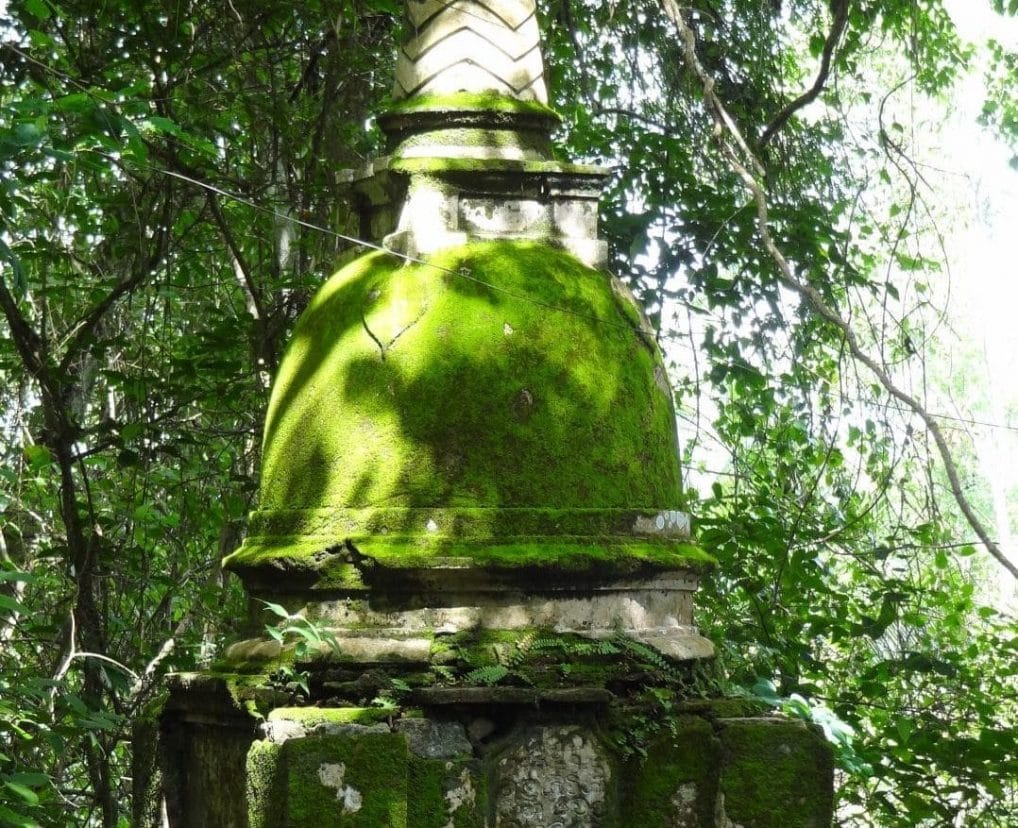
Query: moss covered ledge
{"points": [[356, 563], [471, 102], [438, 166]]}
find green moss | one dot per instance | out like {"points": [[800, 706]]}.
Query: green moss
{"points": [[311, 716], [564, 554], [737, 708], [524, 140], [426, 792], [472, 102], [471, 165], [596, 557], [443, 793], [498, 376], [253, 658], [372, 767], [266, 785], [676, 782], [776, 774]]}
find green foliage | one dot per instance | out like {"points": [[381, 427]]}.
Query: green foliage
{"points": [[844, 578], [133, 356]]}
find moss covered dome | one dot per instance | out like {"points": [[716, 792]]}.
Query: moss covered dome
{"points": [[499, 403]]}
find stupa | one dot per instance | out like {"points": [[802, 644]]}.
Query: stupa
{"points": [[470, 572]]}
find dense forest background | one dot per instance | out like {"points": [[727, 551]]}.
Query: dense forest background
{"points": [[170, 196]]}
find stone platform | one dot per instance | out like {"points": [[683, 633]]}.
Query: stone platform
{"points": [[486, 756]]}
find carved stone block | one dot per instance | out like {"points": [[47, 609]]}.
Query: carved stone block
{"points": [[554, 777]]}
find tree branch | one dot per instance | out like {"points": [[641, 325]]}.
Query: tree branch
{"points": [[91, 320], [254, 302], [810, 295], [840, 10]]}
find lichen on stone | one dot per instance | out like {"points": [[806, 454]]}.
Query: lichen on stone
{"points": [[370, 792], [310, 717]]}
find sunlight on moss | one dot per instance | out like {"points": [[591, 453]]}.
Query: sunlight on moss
{"points": [[497, 376]]}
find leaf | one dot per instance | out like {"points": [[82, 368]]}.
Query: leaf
{"points": [[276, 609], [15, 819], [26, 794], [764, 689], [38, 8], [33, 780], [16, 575], [311, 636], [26, 134], [80, 103], [9, 604], [20, 285], [38, 456], [489, 674]]}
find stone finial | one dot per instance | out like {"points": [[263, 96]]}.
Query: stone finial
{"points": [[472, 46]]}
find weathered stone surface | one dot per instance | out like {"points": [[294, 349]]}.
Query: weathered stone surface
{"points": [[535, 763], [553, 776], [446, 794], [346, 781], [476, 696], [435, 739], [285, 723]]}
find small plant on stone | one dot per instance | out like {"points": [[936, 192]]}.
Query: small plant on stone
{"points": [[488, 675], [307, 639]]}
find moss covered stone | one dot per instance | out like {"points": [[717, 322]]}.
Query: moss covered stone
{"points": [[529, 144], [347, 782], [675, 784], [535, 762], [471, 102], [497, 381], [311, 717], [266, 786], [776, 774], [443, 793]]}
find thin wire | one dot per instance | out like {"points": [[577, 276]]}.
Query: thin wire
{"points": [[273, 212], [463, 272]]}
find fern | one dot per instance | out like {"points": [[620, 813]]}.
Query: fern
{"points": [[487, 675]]}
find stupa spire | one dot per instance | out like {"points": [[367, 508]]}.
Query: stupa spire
{"points": [[471, 46]]}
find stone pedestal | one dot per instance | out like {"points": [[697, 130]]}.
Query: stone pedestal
{"points": [[486, 757]]}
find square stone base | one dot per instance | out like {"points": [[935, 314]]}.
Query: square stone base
{"points": [[500, 764]]}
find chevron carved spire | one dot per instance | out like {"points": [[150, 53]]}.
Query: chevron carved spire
{"points": [[472, 46], [469, 153]]}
